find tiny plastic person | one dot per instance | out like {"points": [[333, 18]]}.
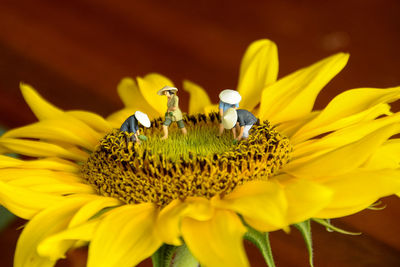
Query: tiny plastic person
{"points": [[228, 99], [131, 124], [242, 119], [173, 112]]}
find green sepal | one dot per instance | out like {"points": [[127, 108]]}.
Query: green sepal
{"points": [[184, 258], [305, 230], [6, 218], [377, 206], [261, 241], [163, 256], [329, 226]]}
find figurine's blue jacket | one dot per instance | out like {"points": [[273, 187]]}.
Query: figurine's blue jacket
{"points": [[225, 106], [131, 125]]}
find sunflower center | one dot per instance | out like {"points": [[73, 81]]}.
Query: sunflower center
{"points": [[199, 164]]}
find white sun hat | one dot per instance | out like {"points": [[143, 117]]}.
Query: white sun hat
{"points": [[166, 88], [230, 96], [230, 118], [143, 119]]}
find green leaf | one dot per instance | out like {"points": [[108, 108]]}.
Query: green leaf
{"points": [[305, 230], [163, 256], [328, 225], [261, 241]]}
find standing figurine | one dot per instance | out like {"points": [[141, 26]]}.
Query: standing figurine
{"points": [[131, 125], [243, 120], [228, 99], [173, 112]]}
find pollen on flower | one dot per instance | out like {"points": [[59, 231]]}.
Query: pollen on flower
{"points": [[199, 164]]}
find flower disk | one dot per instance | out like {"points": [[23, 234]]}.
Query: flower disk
{"points": [[137, 173]]}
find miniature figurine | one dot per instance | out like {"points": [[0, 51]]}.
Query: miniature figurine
{"points": [[228, 99], [173, 112], [131, 125], [243, 120]]}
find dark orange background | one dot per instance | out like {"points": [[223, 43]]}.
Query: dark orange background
{"points": [[75, 52]]}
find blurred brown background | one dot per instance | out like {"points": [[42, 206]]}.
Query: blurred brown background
{"points": [[75, 52]]}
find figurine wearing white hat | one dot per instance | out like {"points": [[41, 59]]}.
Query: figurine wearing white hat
{"points": [[228, 99], [131, 125], [173, 112], [242, 119]]}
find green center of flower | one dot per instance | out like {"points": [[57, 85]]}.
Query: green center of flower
{"points": [[199, 164]]}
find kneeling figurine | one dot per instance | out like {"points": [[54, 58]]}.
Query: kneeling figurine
{"points": [[131, 125], [242, 119]]}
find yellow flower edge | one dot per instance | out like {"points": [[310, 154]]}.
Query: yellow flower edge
{"points": [[342, 162]]}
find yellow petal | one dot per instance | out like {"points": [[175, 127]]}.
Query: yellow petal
{"points": [[216, 242], [92, 208], [52, 186], [55, 164], [57, 130], [55, 246], [259, 68], [385, 157], [149, 86], [329, 213], [342, 123], [38, 149], [342, 137], [261, 203], [293, 96], [23, 202], [169, 219], [359, 188], [7, 161], [48, 222], [93, 120], [342, 159], [289, 128], [117, 118], [40, 107], [210, 108], [305, 198], [198, 97], [132, 97], [342, 110], [125, 237], [10, 174]]}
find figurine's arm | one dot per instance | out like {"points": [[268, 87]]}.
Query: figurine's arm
{"points": [[137, 136], [234, 132]]}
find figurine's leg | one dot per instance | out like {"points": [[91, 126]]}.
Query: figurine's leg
{"points": [[184, 131], [181, 125], [165, 130], [165, 126], [221, 129], [246, 131]]}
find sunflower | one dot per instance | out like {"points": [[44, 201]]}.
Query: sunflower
{"points": [[79, 183]]}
